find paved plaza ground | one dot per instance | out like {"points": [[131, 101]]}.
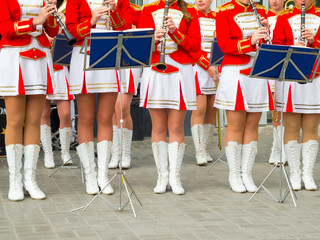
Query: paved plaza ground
{"points": [[208, 210]]}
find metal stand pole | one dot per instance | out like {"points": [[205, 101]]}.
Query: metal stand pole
{"points": [[122, 179], [280, 164]]}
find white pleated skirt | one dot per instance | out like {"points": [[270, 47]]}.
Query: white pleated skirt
{"points": [[175, 90], [204, 83], [130, 80], [98, 81], [299, 98], [26, 75], [237, 91], [61, 76]]}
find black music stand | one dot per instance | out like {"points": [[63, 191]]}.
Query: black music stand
{"points": [[118, 50], [284, 63], [216, 57]]}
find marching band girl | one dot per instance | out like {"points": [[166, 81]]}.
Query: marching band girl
{"points": [[62, 99], [26, 75], [81, 16], [169, 93], [243, 98], [301, 101], [276, 8], [130, 81], [203, 119]]}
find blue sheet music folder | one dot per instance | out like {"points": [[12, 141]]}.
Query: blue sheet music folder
{"points": [[268, 62], [61, 51], [138, 49], [216, 54]]}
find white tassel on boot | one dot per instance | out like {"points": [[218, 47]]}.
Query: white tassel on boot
{"points": [[309, 156], [86, 155], [197, 136], [176, 153], [293, 152], [65, 139], [115, 159], [14, 159], [208, 130], [31, 155], [104, 153], [233, 154], [45, 137], [160, 155], [126, 148], [249, 152]]}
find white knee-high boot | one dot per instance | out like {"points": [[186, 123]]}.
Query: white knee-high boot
{"points": [[208, 130], [115, 159], [104, 153], [160, 155], [176, 153], [249, 152], [276, 146], [197, 136], [31, 155], [65, 139], [309, 156], [14, 159], [45, 137], [233, 154], [86, 155], [126, 148], [293, 152]]}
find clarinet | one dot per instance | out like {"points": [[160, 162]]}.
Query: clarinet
{"points": [[70, 39], [254, 9], [161, 65], [108, 19], [303, 22]]}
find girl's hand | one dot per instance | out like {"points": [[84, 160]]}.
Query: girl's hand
{"points": [[259, 34], [170, 24], [46, 11], [158, 35]]}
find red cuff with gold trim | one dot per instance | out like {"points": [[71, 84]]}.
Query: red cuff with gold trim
{"points": [[52, 22], [316, 44], [24, 27], [245, 46], [177, 36], [116, 19], [83, 29], [203, 62]]}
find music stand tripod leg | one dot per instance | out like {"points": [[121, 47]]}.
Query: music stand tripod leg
{"points": [[218, 160], [62, 165]]}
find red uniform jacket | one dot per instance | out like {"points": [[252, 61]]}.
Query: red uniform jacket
{"points": [[187, 37], [229, 34], [135, 12], [201, 57], [78, 18], [14, 30], [283, 32]]}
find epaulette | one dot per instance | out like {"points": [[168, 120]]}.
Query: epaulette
{"points": [[135, 7], [316, 9], [224, 7], [189, 5], [290, 10], [150, 4]]}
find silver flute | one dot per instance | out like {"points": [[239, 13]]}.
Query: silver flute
{"points": [[255, 11], [108, 19], [303, 22]]}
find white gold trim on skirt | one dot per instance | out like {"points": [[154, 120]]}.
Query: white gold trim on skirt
{"points": [[206, 83], [25, 75], [305, 98], [61, 77], [237, 91], [90, 81], [169, 90]]}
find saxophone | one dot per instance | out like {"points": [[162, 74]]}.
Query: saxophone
{"points": [[254, 9], [161, 65]]}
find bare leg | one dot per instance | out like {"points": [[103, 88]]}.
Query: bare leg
{"points": [[159, 120]]}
